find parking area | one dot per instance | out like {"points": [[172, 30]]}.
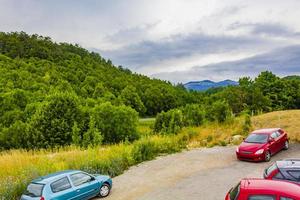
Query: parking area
{"points": [[206, 173]]}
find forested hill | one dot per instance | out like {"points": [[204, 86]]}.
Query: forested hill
{"points": [[52, 94], [33, 65]]}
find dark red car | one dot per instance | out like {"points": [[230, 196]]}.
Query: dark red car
{"points": [[261, 189], [261, 144]]}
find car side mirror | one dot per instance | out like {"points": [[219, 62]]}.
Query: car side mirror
{"points": [[93, 178], [271, 140]]}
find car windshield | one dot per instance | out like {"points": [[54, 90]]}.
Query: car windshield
{"points": [[234, 193], [257, 138], [34, 190]]}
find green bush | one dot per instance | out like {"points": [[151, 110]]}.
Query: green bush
{"points": [[169, 122], [51, 125], [116, 123], [193, 115], [219, 111]]}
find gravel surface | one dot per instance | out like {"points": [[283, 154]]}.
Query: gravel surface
{"points": [[199, 174]]}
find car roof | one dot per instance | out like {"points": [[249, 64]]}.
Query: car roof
{"points": [[288, 163], [271, 186], [266, 130], [54, 176]]}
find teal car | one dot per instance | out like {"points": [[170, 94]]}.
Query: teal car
{"points": [[68, 185]]}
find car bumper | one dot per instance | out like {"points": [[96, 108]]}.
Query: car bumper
{"points": [[250, 157]]}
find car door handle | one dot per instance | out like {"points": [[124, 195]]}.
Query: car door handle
{"points": [[77, 190]]}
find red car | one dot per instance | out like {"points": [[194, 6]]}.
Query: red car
{"points": [[261, 189], [261, 144]]}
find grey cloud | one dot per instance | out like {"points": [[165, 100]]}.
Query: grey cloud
{"points": [[284, 61], [178, 46], [271, 29]]}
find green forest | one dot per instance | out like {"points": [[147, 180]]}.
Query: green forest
{"points": [[58, 94]]}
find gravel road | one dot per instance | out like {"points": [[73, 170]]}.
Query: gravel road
{"points": [[199, 174]]}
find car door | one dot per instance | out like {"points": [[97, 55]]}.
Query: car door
{"points": [[283, 137], [273, 143], [86, 186], [62, 189], [278, 141]]}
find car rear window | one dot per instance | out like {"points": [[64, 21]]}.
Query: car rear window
{"points": [[271, 169], [34, 190], [234, 193]]}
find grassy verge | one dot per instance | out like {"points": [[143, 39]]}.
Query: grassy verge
{"points": [[19, 167]]}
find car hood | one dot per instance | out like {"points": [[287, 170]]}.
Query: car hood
{"points": [[251, 147]]}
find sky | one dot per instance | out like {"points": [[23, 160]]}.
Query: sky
{"points": [[174, 40]]}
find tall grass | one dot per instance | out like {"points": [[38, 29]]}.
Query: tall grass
{"points": [[19, 167]]}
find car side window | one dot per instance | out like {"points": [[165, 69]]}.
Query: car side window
{"points": [[261, 197], [274, 135], [295, 174], [80, 178], [285, 198], [278, 176], [60, 185]]}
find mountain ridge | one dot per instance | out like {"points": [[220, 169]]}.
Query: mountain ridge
{"points": [[207, 84]]}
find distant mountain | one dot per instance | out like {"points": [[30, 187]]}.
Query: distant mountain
{"points": [[206, 84]]}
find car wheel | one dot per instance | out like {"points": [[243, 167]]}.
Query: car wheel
{"points": [[286, 145], [104, 190], [267, 156]]}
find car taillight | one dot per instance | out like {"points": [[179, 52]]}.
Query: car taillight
{"points": [[42, 198]]}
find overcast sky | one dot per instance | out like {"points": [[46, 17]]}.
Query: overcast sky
{"points": [[176, 40]]}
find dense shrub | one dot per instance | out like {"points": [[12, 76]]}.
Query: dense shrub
{"points": [[116, 123], [51, 125], [193, 115], [219, 111], [169, 122]]}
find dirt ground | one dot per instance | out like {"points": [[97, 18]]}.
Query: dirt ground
{"points": [[199, 174]]}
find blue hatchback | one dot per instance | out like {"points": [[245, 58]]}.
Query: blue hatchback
{"points": [[68, 185]]}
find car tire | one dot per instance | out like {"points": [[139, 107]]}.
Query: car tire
{"points": [[267, 156], [286, 145], [104, 190]]}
